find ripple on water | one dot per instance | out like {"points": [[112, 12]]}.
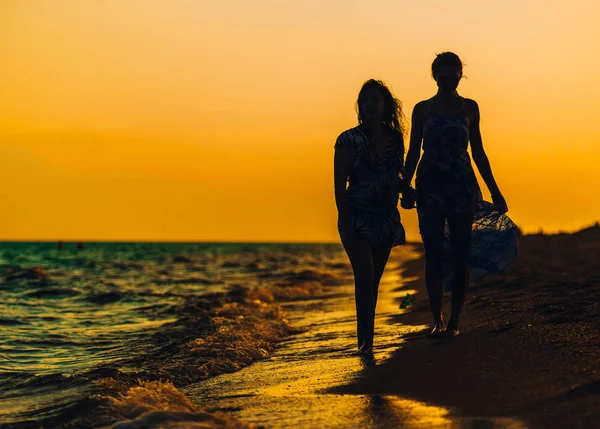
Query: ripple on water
{"points": [[12, 322], [53, 292], [101, 306]]}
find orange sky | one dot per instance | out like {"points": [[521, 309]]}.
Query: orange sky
{"points": [[197, 120]]}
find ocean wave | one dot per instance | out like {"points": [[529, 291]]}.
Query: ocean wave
{"points": [[106, 297], [12, 275], [7, 321], [156, 404], [162, 325], [53, 292], [215, 334], [187, 280]]}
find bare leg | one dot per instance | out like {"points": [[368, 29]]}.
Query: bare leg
{"points": [[460, 238], [361, 259], [380, 258], [431, 226]]}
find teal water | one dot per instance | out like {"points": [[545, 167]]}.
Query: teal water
{"points": [[68, 315]]}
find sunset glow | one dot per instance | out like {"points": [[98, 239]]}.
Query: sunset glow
{"points": [[215, 121]]}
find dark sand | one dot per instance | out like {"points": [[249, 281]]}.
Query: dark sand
{"points": [[529, 347]]}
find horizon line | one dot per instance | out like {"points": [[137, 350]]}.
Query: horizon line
{"points": [[148, 241]]}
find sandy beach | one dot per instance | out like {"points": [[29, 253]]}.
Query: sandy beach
{"points": [[530, 342]]}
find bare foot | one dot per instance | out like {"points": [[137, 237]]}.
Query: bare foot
{"points": [[437, 331], [452, 329]]}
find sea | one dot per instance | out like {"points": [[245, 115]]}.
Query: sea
{"points": [[90, 332]]}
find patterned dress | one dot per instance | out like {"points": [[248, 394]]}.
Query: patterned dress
{"points": [[446, 183], [374, 188], [445, 177]]}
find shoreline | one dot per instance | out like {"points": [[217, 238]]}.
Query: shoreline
{"points": [[529, 346], [527, 354], [297, 386]]}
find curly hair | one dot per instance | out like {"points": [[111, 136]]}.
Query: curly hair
{"points": [[393, 116], [446, 59]]}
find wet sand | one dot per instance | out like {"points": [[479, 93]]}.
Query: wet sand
{"points": [[295, 387], [529, 347]]}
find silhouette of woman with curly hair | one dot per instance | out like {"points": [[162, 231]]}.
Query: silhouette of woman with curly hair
{"points": [[368, 161]]}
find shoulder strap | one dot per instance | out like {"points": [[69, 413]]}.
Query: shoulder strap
{"points": [[462, 108]]}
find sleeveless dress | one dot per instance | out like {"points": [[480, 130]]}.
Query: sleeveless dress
{"points": [[445, 178], [373, 189], [446, 183]]}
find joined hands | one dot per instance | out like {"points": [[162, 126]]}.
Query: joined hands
{"points": [[409, 198]]}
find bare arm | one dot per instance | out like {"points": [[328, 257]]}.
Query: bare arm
{"points": [[342, 163], [414, 149], [479, 155]]}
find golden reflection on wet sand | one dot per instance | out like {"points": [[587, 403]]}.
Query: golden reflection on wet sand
{"points": [[288, 389]]}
